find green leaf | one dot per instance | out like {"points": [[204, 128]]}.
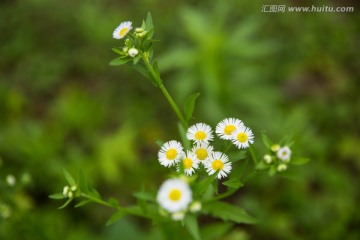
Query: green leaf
{"points": [[203, 185], [299, 160], [114, 202], [189, 106], [82, 183], [253, 154], [115, 217], [266, 140], [82, 203], [262, 166], [117, 50], [136, 59], [156, 69], [233, 183], [145, 196], [58, 196], [69, 178], [192, 226], [149, 22], [214, 231], [65, 204], [237, 155], [227, 212], [119, 61]]}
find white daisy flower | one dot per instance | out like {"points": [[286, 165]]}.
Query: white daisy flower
{"points": [[122, 30], [218, 161], [242, 137], [226, 127], [190, 163], [170, 153], [200, 132], [284, 154], [202, 151], [174, 195]]}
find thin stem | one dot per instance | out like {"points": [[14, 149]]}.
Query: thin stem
{"points": [[99, 201], [165, 92]]}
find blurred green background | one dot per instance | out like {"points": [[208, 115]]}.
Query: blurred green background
{"points": [[63, 106]]}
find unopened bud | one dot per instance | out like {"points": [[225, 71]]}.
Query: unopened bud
{"points": [[275, 147], [195, 206], [178, 216], [133, 52], [66, 190], [267, 158], [282, 167]]}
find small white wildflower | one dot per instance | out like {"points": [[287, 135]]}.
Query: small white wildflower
{"points": [[170, 153], [226, 127], [218, 161], [174, 195], [243, 137], [190, 163], [284, 154], [200, 132], [122, 30]]}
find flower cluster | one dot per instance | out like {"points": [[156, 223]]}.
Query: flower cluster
{"points": [[278, 156], [175, 195]]}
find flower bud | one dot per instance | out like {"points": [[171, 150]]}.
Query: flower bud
{"points": [[178, 216], [71, 194], [73, 188], [282, 167], [267, 158], [11, 180], [275, 147], [195, 206], [139, 30], [66, 190], [125, 49], [133, 52]]}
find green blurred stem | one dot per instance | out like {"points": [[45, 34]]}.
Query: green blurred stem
{"points": [[165, 92]]}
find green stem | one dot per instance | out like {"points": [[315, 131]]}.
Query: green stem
{"points": [[165, 92], [99, 201]]}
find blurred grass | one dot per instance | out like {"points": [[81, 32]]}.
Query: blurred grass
{"points": [[62, 106]]}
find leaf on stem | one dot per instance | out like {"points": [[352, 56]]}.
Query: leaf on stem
{"points": [[119, 61], [69, 178], [145, 196], [115, 217], [233, 183], [203, 185], [189, 106], [82, 203], [192, 226], [266, 140], [58, 196], [253, 154], [227, 211], [186, 142], [82, 183]]}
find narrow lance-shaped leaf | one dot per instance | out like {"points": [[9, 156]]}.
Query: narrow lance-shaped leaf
{"points": [[227, 211], [69, 178], [82, 183], [119, 61], [58, 196], [192, 226], [115, 217], [189, 106], [266, 140]]}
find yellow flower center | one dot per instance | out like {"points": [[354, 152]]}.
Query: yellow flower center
{"points": [[187, 163], [175, 195], [171, 154], [229, 129], [217, 165], [123, 32], [242, 137], [200, 135], [201, 153]]}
